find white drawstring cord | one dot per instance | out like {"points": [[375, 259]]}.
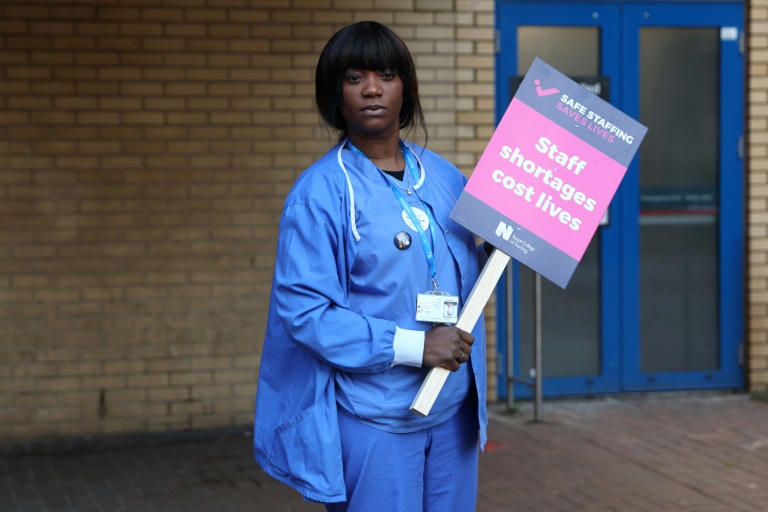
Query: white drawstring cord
{"points": [[351, 193]]}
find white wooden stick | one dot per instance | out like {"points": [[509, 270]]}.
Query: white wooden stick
{"points": [[468, 316]]}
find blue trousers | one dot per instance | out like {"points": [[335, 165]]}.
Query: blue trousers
{"points": [[433, 470]]}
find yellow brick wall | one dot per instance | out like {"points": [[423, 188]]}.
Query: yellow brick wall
{"points": [[757, 201], [146, 147]]}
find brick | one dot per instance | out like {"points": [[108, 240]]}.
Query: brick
{"points": [[75, 103], [142, 88], [169, 394], [186, 118], [210, 391], [28, 73], [148, 380], [230, 60], [119, 43], [51, 27], [98, 118], [121, 73], [58, 384], [164, 44], [190, 407], [185, 89], [141, 410], [98, 88], [14, 117], [229, 30], [233, 89], [100, 28], [257, 46], [185, 29], [191, 378], [186, 59], [30, 281], [72, 12], [52, 58], [13, 27], [141, 59], [17, 42]]}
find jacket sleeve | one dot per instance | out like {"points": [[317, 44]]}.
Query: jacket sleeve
{"points": [[312, 299]]}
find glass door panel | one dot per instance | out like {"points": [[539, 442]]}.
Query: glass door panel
{"points": [[679, 101], [573, 51], [571, 329]]}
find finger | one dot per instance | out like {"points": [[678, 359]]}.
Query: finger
{"points": [[452, 365], [466, 337], [463, 357]]}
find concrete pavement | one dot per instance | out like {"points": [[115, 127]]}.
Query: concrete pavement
{"points": [[703, 453]]}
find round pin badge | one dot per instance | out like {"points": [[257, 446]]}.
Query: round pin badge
{"points": [[402, 240]]}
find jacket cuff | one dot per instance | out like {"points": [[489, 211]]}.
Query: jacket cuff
{"points": [[409, 347]]}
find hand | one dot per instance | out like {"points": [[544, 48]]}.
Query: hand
{"points": [[447, 347]]}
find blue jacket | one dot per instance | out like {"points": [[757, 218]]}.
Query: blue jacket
{"points": [[340, 288]]}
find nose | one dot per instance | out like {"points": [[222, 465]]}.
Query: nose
{"points": [[372, 86]]}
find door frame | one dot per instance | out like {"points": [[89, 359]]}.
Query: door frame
{"points": [[619, 285], [731, 201], [605, 16]]}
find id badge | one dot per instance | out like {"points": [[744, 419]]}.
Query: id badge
{"points": [[437, 308]]}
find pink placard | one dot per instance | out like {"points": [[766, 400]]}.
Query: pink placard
{"points": [[549, 172], [546, 178]]}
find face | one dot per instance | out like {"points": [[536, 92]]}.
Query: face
{"points": [[371, 102]]}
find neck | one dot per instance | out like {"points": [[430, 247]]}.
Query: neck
{"points": [[383, 152]]}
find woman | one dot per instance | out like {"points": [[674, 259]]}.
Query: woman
{"points": [[366, 251]]}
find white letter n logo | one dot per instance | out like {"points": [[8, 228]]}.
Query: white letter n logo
{"points": [[504, 231]]}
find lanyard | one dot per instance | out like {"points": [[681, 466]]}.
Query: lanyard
{"points": [[426, 244]]}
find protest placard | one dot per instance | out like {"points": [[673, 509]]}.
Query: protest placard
{"points": [[549, 173], [541, 187]]}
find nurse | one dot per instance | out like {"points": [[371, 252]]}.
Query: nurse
{"points": [[369, 268]]}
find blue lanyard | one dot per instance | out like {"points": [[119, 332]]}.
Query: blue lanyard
{"points": [[426, 244]]}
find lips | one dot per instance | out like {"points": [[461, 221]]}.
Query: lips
{"points": [[373, 109]]}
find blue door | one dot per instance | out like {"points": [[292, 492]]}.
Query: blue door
{"points": [[657, 301]]}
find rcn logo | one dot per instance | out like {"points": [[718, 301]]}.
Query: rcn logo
{"points": [[504, 231]]}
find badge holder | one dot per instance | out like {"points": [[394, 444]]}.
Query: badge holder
{"points": [[437, 307]]}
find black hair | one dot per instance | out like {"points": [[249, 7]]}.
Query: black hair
{"points": [[371, 46]]}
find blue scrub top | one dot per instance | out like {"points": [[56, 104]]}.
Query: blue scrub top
{"points": [[335, 304]]}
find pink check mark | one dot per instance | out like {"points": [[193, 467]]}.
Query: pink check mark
{"points": [[544, 92]]}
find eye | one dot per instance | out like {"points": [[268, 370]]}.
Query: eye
{"points": [[352, 78], [389, 75]]}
